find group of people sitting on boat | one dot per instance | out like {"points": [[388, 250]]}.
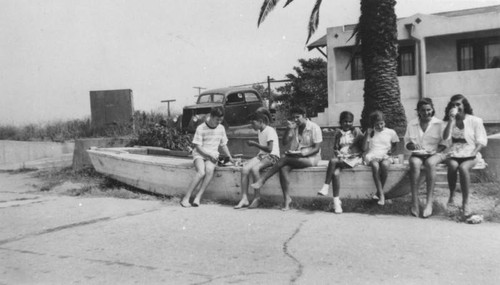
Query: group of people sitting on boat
{"points": [[456, 141]]}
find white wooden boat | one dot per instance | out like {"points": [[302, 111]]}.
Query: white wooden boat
{"points": [[161, 171]]}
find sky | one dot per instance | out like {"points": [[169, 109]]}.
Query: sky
{"points": [[53, 52]]}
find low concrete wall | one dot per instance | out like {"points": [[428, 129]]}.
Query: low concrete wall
{"points": [[81, 158], [18, 152], [491, 155]]}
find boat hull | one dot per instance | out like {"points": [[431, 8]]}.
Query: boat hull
{"points": [[170, 175]]}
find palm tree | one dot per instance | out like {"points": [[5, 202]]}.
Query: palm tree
{"points": [[376, 38]]}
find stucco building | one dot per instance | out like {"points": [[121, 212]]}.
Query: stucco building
{"points": [[440, 55]]}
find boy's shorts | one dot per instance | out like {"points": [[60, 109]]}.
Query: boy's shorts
{"points": [[271, 157]]}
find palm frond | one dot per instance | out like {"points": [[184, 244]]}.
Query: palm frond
{"points": [[267, 6], [313, 20], [287, 2]]}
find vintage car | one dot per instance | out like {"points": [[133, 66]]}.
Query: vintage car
{"points": [[237, 102]]}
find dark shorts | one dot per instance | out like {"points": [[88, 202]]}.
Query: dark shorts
{"points": [[460, 160]]}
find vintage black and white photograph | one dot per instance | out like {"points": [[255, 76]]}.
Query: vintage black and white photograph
{"points": [[249, 142]]}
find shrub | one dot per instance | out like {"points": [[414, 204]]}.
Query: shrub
{"points": [[162, 135]]}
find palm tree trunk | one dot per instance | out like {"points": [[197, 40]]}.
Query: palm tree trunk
{"points": [[377, 32]]}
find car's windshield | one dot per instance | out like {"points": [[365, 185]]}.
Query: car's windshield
{"points": [[211, 98]]}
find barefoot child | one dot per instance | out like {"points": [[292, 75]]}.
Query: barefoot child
{"points": [[379, 142], [268, 155], [207, 139], [346, 154]]}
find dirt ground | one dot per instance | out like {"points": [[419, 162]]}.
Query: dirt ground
{"points": [[484, 196]]}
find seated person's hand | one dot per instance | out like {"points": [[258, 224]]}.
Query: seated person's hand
{"points": [[294, 153], [252, 143], [213, 159]]}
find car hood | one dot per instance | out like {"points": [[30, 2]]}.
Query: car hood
{"points": [[203, 105]]}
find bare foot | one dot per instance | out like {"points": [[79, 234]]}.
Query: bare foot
{"points": [[185, 203], [243, 203], [381, 200], [256, 185], [466, 209], [451, 201], [255, 203], [427, 211], [196, 202], [414, 211], [288, 201]]}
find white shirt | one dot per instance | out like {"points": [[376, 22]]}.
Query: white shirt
{"points": [[429, 139], [474, 131], [381, 142], [269, 134]]}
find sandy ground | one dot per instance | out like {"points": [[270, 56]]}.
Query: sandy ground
{"points": [[49, 238]]}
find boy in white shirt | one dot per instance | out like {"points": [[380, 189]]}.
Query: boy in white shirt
{"points": [[268, 155]]}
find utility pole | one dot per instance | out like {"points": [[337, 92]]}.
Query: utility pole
{"points": [[199, 89], [168, 104]]}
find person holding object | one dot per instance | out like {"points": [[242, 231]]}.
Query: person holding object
{"points": [[346, 154], [467, 136], [379, 142], [424, 138], [305, 138], [268, 155], [209, 136]]}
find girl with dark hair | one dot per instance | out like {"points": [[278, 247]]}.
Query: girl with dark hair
{"points": [[346, 154], [467, 136], [378, 143], [424, 138]]}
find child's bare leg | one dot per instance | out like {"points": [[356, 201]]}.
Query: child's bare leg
{"points": [[376, 178], [384, 170], [245, 179], [332, 165], [199, 165], [452, 179], [415, 164], [336, 182], [209, 173], [285, 183], [260, 182], [256, 175]]}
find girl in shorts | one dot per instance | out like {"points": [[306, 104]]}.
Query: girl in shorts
{"points": [[467, 136], [379, 142]]}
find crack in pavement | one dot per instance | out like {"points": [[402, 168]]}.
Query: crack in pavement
{"points": [[300, 266], [29, 203], [74, 225], [212, 279]]}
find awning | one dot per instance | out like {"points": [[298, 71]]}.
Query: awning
{"points": [[321, 42]]}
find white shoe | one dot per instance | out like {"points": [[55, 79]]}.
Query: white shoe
{"points": [[324, 190], [337, 205]]}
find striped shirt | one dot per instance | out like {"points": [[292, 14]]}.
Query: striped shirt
{"points": [[209, 139]]}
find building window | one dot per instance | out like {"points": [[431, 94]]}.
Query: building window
{"points": [[406, 63], [479, 53], [357, 71]]}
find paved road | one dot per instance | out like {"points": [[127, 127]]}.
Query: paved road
{"points": [[50, 239]]}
